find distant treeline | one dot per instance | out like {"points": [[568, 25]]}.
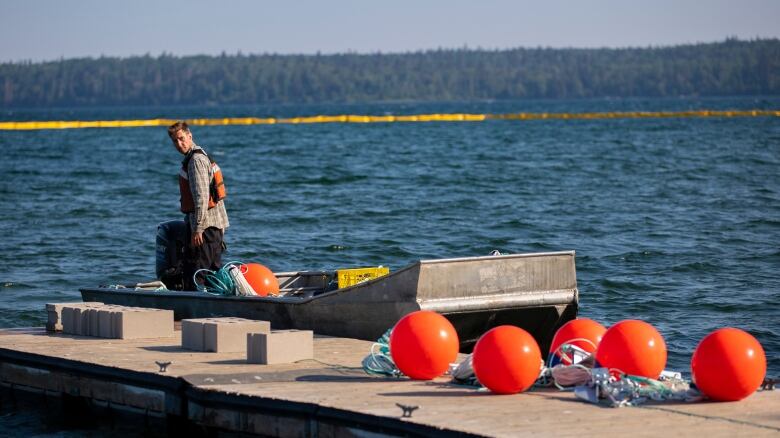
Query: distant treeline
{"points": [[731, 67]]}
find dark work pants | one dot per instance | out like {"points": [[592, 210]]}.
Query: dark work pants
{"points": [[206, 256]]}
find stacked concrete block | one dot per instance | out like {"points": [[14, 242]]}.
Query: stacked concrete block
{"points": [[92, 321], [117, 322], [54, 311], [229, 334], [192, 333], [219, 335], [280, 346], [72, 319], [106, 321], [139, 323]]}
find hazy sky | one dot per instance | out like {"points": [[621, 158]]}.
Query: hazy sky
{"points": [[50, 29]]}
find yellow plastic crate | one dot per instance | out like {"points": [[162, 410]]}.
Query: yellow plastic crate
{"points": [[350, 277]]}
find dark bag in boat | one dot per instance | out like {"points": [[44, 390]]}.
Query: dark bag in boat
{"points": [[169, 263]]}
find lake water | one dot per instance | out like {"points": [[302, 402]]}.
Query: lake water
{"points": [[674, 221]]}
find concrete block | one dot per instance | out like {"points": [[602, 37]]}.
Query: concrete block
{"points": [[280, 346], [105, 327], [54, 313], [68, 319], [228, 335], [192, 333], [54, 321], [83, 326], [86, 323], [139, 323], [106, 318], [92, 321], [98, 319], [72, 320]]}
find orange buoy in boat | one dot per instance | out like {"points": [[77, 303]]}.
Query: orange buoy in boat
{"points": [[633, 347], [507, 360], [583, 333], [423, 344], [728, 364], [262, 280]]}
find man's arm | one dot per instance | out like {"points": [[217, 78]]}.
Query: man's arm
{"points": [[198, 171]]}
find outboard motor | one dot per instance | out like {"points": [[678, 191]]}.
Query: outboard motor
{"points": [[171, 238]]}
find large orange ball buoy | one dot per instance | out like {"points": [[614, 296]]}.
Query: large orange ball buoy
{"points": [[262, 280], [728, 364], [507, 360], [423, 344], [581, 332], [633, 347]]}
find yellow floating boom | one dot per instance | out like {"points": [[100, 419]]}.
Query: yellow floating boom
{"points": [[72, 124]]}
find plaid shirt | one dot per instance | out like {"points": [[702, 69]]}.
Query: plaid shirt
{"points": [[199, 173]]}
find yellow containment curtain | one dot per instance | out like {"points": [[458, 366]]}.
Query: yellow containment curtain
{"points": [[74, 124]]}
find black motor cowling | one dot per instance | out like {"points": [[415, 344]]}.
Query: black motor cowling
{"points": [[171, 238]]}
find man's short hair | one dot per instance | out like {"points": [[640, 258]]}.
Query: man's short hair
{"points": [[176, 127]]}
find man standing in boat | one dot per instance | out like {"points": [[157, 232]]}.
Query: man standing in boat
{"points": [[202, 201]]}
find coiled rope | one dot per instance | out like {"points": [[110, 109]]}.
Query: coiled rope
{"points": [[219, 282], [379, 362]]}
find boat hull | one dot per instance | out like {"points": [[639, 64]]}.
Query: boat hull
{"points": [[536, 292]]}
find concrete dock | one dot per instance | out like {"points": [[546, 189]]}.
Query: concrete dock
{"points": [[332, 396]]}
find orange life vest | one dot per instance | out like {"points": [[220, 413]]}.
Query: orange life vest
{"points": [[217, 191]]}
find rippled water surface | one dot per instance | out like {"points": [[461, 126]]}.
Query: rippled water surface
{"points": [[674, 221]]}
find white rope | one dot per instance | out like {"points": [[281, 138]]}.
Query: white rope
{"points": [[379, 362]]}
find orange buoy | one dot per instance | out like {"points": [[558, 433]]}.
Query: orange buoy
{"points": [[728, 364], [581, 332], [262, 280], [507, 360], [423, 344], [633, 347]]}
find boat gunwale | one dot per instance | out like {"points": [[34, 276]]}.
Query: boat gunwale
{"points": [[499, 257]]}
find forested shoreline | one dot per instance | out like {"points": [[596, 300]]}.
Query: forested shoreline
{"points": [[731, 67]]}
